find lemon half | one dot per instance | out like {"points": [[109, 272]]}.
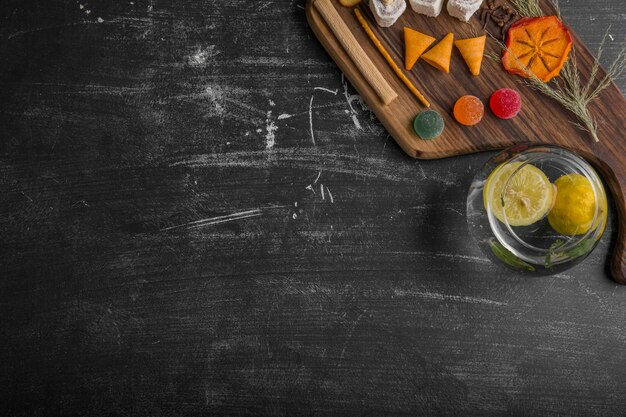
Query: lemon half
{"points": [[575, 206], [528, 197]]}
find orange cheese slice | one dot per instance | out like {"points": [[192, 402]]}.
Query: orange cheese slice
{"points": [[415, 44], [472, 51], [439, 55]]}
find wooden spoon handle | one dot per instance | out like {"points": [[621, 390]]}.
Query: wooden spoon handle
{"points": [[611, 162], [352, 47], [618, 263]]}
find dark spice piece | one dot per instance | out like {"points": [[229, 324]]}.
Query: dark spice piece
{"points": [[502, 15]]}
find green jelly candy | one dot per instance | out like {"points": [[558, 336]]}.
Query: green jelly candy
{"points": [[428, 124]]}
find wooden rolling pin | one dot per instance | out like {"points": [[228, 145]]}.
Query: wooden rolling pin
{"points": [[354, 50]]}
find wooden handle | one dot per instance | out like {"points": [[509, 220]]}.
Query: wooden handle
{"points": [[354, 50], [618, 263], [389, 59], [610, 160]]}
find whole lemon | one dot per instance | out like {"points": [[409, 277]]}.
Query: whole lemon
{"points": [[575, 206]]}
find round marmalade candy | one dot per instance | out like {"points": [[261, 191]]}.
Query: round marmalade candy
{"points": [[428, 124], [505, 103], [468, 110]]}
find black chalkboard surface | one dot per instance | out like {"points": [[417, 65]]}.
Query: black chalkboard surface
{"points": [[200, 217]]}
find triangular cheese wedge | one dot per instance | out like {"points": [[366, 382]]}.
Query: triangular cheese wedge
{"points": [[415, 43], [472, 50], [439, 55]]}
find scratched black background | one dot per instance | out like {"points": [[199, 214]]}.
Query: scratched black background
{"points": [[181, 235]]}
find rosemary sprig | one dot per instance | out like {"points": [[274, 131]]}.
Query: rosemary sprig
{"points": [[571, 92], [614, 72], [529, 8]]}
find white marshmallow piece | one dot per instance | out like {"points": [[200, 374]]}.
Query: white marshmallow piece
{"points": [[430, 8], [463, 9], [387, 12]]}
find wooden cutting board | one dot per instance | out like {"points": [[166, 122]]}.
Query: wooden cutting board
{"points": [[542, 120]]}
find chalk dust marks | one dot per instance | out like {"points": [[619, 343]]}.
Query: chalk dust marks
{"points": [[324, 190], [215, 220], [309, 159], [350, 335], [349, 99], [335, 92], [211, 221], [226, 103], [222, 99], [450, 256], [215, 95], [90, 16], [311, 119], [270, 128], [447, 297], [330, 195], [311, 109], [202, 55]]}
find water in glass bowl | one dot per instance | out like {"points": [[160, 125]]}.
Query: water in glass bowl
{"points": [[537, 209]]}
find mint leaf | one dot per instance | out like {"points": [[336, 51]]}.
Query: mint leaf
{"points": [[507, 257]]}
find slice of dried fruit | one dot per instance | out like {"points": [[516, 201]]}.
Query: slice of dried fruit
{"points": [[439, 55], [472, 50], [349, 3], [538, 44], [415, 44], [518, 193]]}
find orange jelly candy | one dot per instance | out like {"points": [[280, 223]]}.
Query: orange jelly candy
{"points": [[468, 110]]}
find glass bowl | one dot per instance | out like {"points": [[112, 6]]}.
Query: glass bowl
{"points": [[537, 248]]}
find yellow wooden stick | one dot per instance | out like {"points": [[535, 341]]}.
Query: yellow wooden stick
{"points": [[387, 57]]}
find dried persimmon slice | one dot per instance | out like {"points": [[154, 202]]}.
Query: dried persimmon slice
{"points": [[540, 45]]}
